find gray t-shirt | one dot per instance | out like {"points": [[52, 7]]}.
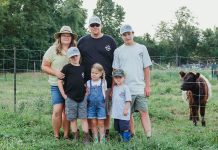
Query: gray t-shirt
{"points": [[133, 59], [121, 94]]}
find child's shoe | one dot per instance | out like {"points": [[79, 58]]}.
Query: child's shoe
{"points": [[103, 140], [95, 140], [126, 136], [86, 138], [107, 135], [76, 136]]}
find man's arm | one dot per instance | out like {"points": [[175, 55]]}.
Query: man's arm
{"points": [[147, 81]]}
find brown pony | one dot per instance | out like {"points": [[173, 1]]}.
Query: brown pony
{"points": [[198, 90]]}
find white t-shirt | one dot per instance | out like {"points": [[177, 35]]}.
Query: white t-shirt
{"points": [[132, 59], [98, 83], [121, 94]]}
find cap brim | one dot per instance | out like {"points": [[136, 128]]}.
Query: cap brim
{"points": [[73, 55], [118, 75], [57, 35]]}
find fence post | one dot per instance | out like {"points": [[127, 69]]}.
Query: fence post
{"points": [[34, 67], [15, 71]]}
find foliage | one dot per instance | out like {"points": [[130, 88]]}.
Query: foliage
{"points": [[111, 15], [182, 36], [31, 24], [208, 45]]}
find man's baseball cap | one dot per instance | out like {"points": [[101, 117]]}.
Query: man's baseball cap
{"points": [[125, 28], [118, 73], [94, 19], [72, 51]]}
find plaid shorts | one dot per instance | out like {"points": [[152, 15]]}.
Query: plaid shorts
{"points": [[139, 103], [76, 110]]}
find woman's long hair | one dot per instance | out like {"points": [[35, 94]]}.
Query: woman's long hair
{"points": [[58, 44]]}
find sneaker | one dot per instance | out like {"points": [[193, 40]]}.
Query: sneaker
{"points": [[103, 140], [126, 136], [95, 140]]}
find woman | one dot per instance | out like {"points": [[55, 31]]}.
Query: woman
{"points": [[53, 61]]}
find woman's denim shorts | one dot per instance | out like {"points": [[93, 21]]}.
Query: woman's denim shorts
{"points": [[56, 97]]}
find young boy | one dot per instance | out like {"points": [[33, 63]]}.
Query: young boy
{"points": [[72, 89], [134, 59], [121, 100]]}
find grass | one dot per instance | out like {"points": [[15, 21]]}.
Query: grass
{"points": [[30, 127]]}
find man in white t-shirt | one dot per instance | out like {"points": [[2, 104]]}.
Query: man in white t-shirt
{"points": [[134, 59]]}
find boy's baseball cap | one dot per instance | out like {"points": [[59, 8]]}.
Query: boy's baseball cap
{"points": [[94, 19], [118, 73], [125, 28], [72, 51]]}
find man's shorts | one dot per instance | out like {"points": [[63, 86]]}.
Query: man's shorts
{"points": [[108, 101], [121, 125], [139, 103], [76, 110], [56, 97]]}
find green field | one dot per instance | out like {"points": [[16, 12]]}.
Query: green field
{"points": [[30, 127]]}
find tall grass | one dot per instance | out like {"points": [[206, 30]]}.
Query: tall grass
{"points": [[30, 127]]}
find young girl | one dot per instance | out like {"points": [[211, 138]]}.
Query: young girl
{"points": [[73, 91], [96, 108]]}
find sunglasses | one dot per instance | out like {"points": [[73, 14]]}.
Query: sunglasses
{"points": [[94, 25]]}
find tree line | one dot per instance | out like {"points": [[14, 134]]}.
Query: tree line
{"points": [[28, 24]]}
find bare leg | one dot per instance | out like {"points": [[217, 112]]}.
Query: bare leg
{"points": [[95, 130], [132, 128], [74, 125], [146, 123], [101, 130], [108, 101], [65, 125], [84, 125], [57, 118], [107, 122]]}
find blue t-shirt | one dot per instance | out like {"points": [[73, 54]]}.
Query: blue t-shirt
{"points": [[97, 50]]}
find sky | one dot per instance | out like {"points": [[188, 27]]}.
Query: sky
{"points": [[145, 15]]}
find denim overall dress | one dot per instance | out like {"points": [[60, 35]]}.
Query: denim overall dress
{"points": [[96, 102]]}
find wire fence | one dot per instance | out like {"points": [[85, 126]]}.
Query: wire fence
{"points": [[29, 62]]}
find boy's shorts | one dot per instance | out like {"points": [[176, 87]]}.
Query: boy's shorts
{"points": [[121, 125], [56, 97], [76, 110], [139, 103]]}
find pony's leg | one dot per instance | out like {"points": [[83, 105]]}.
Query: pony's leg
{"points": [[202, 112]]}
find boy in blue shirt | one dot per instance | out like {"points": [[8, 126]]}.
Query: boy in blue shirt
{"points": [[121, 100]]}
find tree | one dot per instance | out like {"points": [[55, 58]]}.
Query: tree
{"points": [[111, 15], [182, 35], [69, 12], [208, 45]]}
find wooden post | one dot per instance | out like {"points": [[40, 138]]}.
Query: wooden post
{"points": [[15, 71]]}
